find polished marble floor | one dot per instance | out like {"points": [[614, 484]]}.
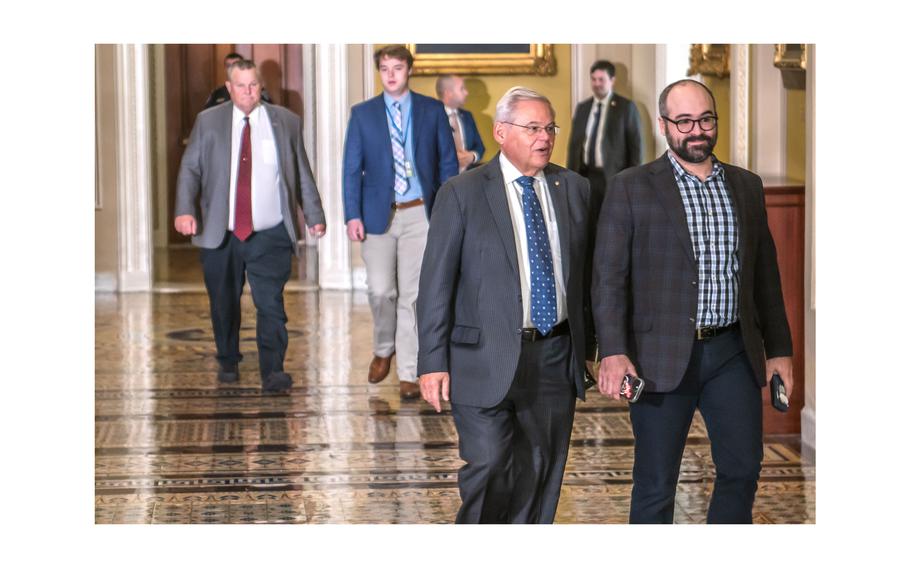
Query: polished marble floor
{"points": [[171, 446]]}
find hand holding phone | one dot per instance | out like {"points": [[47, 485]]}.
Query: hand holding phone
{"points": [[779, 399], [631, 388]]}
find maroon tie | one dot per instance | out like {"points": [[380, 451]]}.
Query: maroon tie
{"points": [[243, 208]]}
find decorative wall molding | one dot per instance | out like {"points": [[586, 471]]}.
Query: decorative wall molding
{"points": [[739, 101], [133, 171], [331, 88], [807, 426]]}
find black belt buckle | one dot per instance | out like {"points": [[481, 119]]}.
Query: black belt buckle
{"points": [[530, 334], [705, 332]]}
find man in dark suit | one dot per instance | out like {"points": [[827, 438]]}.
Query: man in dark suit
{"points": [[246, 168], [221, 94], [687, 296], [606, 133], [501, 316], [397, 152], [451, 91]]}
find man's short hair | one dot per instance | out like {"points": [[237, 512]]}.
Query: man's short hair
{"points": [[506, 105], [443, 84], [604, 65], [243, 65], [232, 55], [394, 52], [662, 100]]}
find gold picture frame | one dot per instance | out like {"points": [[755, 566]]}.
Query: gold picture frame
{"points": [[483, 59]]}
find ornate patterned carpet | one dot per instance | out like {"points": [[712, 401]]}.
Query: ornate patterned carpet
{"points": [[171, 446]]}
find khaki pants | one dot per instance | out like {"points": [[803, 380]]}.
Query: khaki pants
{"points": [[393, 273]]}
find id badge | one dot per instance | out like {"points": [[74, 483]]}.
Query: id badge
{"points": [[408, 170]]}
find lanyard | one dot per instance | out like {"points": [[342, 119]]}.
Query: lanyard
{"points": [[403, 136]]}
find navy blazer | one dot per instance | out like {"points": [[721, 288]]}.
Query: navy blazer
{"points": [[368, 185], [472, 140]]}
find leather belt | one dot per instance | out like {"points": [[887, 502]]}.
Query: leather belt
{"points": [[531, 334], [407, 204], [709, 332]]}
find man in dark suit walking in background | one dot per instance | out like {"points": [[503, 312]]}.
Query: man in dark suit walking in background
{"points": [[501, 316], [606, 133], [451, 91], [687, 293], [246, 167], [397, 152]]}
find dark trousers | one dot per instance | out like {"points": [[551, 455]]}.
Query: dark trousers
{"points": [[265, 258], [516, 451], [721, 384]]}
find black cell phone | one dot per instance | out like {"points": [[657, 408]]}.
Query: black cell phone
{"points": [[631, 388], [779, 398]]}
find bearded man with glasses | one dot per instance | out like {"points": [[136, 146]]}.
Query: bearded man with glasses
{"points": [[687, 295]]}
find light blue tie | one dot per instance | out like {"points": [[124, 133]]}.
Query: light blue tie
{"points": [[543, 284], [401, 178]]}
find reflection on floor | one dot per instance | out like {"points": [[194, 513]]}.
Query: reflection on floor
{"points": [[178, 267], [173, 447]]}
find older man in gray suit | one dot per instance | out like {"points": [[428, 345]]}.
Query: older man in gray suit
{"points": [[502, 311], [247, 168]]}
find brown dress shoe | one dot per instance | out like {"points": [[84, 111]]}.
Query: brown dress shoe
{"points": [[379, 368], [409, 391]]}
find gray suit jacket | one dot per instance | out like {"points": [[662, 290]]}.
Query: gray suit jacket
{"points": [[645, 289], [203, 181], [469, 310]]}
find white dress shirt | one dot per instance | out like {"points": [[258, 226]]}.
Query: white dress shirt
{"points": [[264, 184], [454, 111], [513, 193], [601, 128]]}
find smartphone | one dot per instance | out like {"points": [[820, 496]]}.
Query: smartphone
{"points": [[631, 388], [779, 398]]}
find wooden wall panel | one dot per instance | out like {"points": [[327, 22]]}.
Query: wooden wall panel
{"points": [[786, 206]]}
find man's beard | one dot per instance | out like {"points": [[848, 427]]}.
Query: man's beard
{"points": [[693, 155]]}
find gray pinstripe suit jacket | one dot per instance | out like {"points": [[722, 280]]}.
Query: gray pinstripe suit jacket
{"points": [[645, 290], [469, 310], [205, 174]]}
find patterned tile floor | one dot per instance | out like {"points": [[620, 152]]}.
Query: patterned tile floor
{"points": [[171, 446]]}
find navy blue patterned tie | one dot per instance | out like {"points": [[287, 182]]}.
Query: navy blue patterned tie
{"points": [[543, 284]]}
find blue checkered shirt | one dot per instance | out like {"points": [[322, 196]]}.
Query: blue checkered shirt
{"points": [[715, 242]]}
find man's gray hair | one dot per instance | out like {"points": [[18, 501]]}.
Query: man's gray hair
{"points": [[244, 64], [506, 105]]}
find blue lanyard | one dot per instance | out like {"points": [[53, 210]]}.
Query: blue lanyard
{"points": [[403, 136]]}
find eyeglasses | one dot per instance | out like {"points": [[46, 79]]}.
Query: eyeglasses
{"points": [[686, 125], [550, 129]]}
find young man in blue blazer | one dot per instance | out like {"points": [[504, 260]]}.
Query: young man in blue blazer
{"points": [[397, 152]]}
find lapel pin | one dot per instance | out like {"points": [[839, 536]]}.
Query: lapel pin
{"points": [[612, 103], [557, 183]]}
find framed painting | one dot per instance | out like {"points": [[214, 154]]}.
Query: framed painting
{"points": [[483, 58]]}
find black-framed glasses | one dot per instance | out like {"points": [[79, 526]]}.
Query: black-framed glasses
{"points": [[550, 129], [685, 125]]}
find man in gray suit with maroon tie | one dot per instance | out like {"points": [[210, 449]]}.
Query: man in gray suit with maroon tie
{"points": [[245, 170], [501, 313], [687, 293]]}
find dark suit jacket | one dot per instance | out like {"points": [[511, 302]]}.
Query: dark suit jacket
{"points": [[205, 174], [469, 309], [621, 144], [645, 289], [369, 172], [472, 139]]}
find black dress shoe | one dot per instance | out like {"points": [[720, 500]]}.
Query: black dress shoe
{"points": [[228, 374], [277, 382]]}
